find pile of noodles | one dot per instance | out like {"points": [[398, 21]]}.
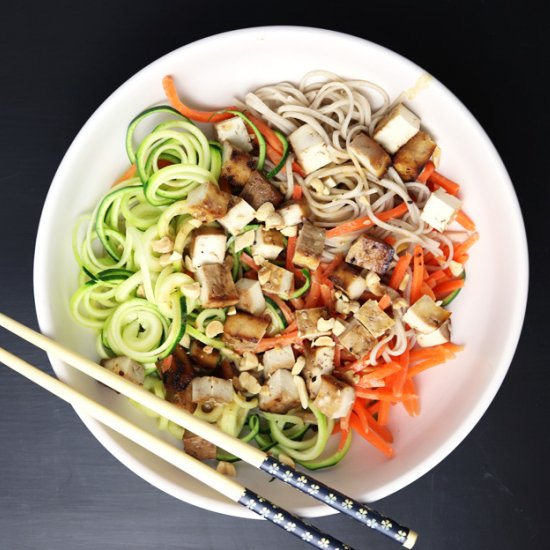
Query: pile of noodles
{"points": [[338, 110]]}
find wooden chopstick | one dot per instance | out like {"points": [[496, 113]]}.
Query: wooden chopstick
{"points": [[195, 468], [254, 456]]}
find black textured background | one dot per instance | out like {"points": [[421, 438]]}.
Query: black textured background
{"points": [[59, 489]]}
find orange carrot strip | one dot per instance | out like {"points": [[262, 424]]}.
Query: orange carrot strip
{"points": [[199, 116], [337, 357], [371, 436], [314, 291], [326, 296], [343, 436], [246, 259], [381, 372], [365, 221], [269, 135], [291, 328], [290, 249], [450, 186], [411, 402], [277, 341], [447, 287], [384, 413], [426, 289], [463, 247], [426, 172], [418, 274], [400, 270], [127, 175], [296, 192], [424, 365], [297, 303], [436, 352], [275, 157], [381, 395], [465, 221], [287, 312], [384, 302], [453, 348], [437, 276], [401, 376], [374, 407], [382, 431], [331, 266], [461, 259]]}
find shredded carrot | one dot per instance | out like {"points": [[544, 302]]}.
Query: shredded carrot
{"points": [[371, 436], [277, 341], [418, 274], [462, 259], [275, 157], [426, 289], [246, 259], [362, 411], [447, 287], [315, 291], [374, 407], [297, 303], [291, 328], [199, 116], [384, 302], [453, 348], [343, 437], [381, 395], [436, 352], [365, 221], [390, 240], [466, 245], [411, 402], [290, 249], [424, 365], [426, 172], [326, 296], [127, 175], [465, 221], [381, 372], [337, 357], [383, 413], [450, 186], [287, 312], [269, 135], [399, 270], [296, 192], [401, 376], [436, 277], [331, 266]]}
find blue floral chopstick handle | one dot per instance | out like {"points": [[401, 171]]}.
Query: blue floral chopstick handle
{"points": [[352, 508], [290, 523]]}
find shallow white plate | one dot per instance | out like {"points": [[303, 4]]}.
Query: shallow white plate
{"points": [[487, 317]]}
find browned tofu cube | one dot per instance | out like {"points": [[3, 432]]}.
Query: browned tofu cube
{"points": [[348, 279], [279, 394], [370, 253], [217, 286], [370, 154], [411, 158], [319, 361], [198, 447], [243, 331], [308, 321], [309, 246], [207, 202], [176, 373], [258, 191], [237, 165], [335, 398], [208, 361], [357, 339]]}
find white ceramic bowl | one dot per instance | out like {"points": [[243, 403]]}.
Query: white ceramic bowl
{"points": [[487, 317]]}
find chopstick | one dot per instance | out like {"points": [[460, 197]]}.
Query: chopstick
{"points": [[195, 468], [252, 455]]}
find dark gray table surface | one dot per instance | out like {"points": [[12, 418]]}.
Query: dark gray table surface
{"points": [[59, 488]]}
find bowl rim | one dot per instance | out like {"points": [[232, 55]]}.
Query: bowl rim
{"points": [[517, 307]]}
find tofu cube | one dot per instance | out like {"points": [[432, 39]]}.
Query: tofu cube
{"points": [[396, 128], [437, 337], [319, 362], [258, 191], [374, 319], [370, 154], [251, 298], [440, 209], [335, 398], [412, 157], [276, 279], [234, 131], [125, 367], [239, 215], [207, 202], [292, 214], [278, 358], [348, 279], [370, 253], [310, 148], [425, 315], [279, 394], [207, 246], [210, 389], [269, 244], [243, 331], [237, 165], [307, 321], [309, 246], [217, 286], [357, 339]]}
